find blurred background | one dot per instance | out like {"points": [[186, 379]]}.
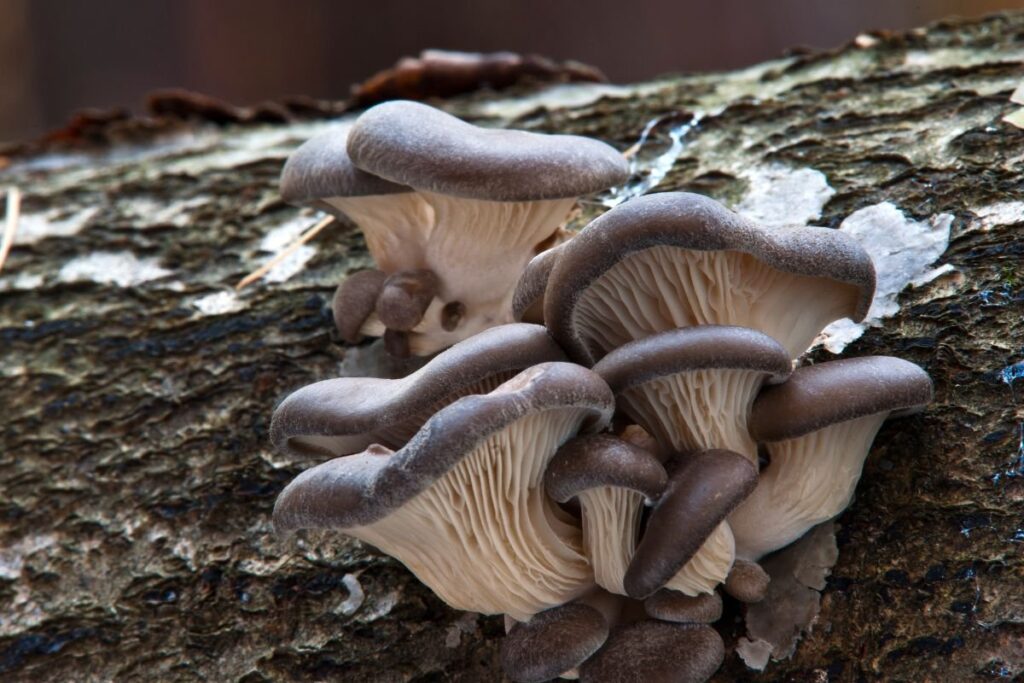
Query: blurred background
{"points": [[59, 56]]}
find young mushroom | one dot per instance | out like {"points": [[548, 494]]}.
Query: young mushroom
{"points": [[692, 388], [552, 642], [345, 415], [818, 428], [483, 203], [611, 479], [656, 652], [703, 488], [462, 504], [677, 260]]}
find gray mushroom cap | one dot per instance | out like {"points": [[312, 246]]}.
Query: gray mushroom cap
{"points": [[656, 652], [703, 488], [417, 145], [693, 222], [360, 489], [344, 415], [816, 396], [321, 168], [552, 642], [670, 605], [603, 460], [722, 347], [529, 292]]}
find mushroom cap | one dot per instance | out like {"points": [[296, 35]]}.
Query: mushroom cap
{"points": [[352, 412], [656, 652], [588, 462], [321, 168], [425, 148], [694, 222], [747, 582], [360, 489], [552, 642], [534, 282], [703, 488], [670, 605], [704, 347], [816, 396]]}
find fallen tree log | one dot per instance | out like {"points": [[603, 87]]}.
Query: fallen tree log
{"points": [[136, 475]]}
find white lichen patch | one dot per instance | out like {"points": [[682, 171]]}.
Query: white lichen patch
{"points": [[1000, 213], [12, 557], [24, 282], [33, 227], [145, 212], [958, 57], [781, 196], [278, 239], [904, 252], [355, 598], [218, 303], [123, 269], [562, 96]]}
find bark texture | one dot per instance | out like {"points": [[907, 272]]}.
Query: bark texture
{"points": [[136, 478]]}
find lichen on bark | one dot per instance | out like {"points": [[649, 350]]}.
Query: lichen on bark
{"points": [[136, 477]]}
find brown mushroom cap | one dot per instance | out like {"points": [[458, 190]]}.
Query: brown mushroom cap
{"points": [[670, 605], [344, 415], [703, 488], [817, 396], [528, 299], [656, 652], [589, 462], [747, 582], [464, 498], [668, 226], [691, 388], [423, 147], [552, 642], [354, 301], [321, 168]]}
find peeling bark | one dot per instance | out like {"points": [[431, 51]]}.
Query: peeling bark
{"points": [[136, 475]]}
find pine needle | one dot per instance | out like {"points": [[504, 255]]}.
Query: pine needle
{"points": [[11, 225], [284, 253]]}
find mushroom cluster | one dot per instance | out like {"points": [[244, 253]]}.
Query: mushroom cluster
{"points": [[451, 213], [598, 477]]}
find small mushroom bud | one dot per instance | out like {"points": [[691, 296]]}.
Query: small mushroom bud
{"points": [[747, 582], [354, 301], [405, 297], [396, 343], [452, 314]]}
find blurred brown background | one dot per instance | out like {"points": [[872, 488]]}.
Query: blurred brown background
{"points": [[58, 56]]}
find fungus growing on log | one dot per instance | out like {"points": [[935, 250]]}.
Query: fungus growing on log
{"points": [[818, 427], [677, 259], [462, 504], [470, 205]]}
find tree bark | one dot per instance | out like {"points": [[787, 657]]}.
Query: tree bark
{"points": [[137, 480]]}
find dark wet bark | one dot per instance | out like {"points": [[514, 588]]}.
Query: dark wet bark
{"points": [[136, 479]]}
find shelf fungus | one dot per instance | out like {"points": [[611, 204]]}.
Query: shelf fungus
{"points": [[452, 210], [345, 415], [677, 260], [462, 504], [818, 427]]}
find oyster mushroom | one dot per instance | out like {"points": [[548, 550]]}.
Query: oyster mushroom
{"points": [[462, 504], [611, 479], [485, 202], [345, 415], [656, 652], [818, 427], [552, 642], [692, 388], [677, 260], [670, 605], [703, 488]]}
